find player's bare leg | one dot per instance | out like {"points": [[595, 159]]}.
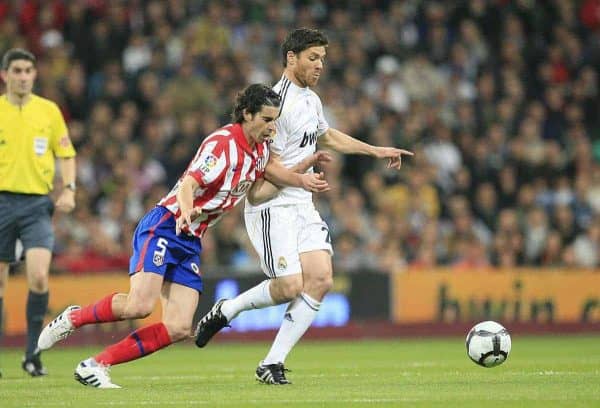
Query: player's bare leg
{"points": [[179, 305], [37, 265]]}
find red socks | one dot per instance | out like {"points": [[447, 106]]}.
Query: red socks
{"points": [[140, 343], [98, 312]]}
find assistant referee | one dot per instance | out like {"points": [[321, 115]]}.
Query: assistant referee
{"points": [[33, 134]]}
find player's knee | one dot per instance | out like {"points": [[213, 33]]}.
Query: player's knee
{"points": [[139, 310], [178, 331], [326, 283], [38, 281], [319, 285], [292, 289]]}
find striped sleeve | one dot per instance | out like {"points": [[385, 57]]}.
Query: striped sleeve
{"points": [[210, 162], [281, 124]]}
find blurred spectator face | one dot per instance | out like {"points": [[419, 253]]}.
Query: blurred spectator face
{"points": [[463, 179], [307, 66], [507, 178], [121, 130], [526, 196], [458, 205], [536, 111], [426, 257], [506, 111], [554, 99], [101, 115], [508, 221], [486, 86], [507, 259], [149, 85], [129, 111], [537, 218], [486, 196], [463, 223], [574, 113], [563, 216]]}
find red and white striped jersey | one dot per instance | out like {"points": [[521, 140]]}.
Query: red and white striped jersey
{"points": [[225, 167]]}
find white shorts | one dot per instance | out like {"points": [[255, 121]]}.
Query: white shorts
{"points": [[280, 234]]}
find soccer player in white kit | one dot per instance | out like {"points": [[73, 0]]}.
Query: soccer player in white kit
{"points": [[292, 240]]}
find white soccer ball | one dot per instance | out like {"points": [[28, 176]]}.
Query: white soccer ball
{"points": [[488, 344]]}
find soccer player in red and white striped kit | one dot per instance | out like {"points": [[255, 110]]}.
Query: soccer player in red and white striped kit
{"points": [[167, 242]]}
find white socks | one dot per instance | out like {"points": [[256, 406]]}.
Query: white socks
{"points": [[298, 317], [254, 298]]}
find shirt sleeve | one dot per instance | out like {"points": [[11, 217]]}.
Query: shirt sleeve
{"points": [[209, 164], [323, 126], [61, 143], [281, 135]]}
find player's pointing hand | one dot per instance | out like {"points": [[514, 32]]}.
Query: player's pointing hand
{"points": [[393, 155]]}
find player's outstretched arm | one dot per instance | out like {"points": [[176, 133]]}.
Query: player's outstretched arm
{"points": [[343, 143], [314, 159], [263, 190]]}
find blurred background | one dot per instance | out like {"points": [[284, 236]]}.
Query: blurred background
{"points": [[496, 216]]}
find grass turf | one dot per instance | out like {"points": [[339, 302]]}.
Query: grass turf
{"points": [[541, 371]]}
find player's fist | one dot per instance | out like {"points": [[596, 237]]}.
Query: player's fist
{"points": [[66, 201], [321, 157], [315, 182]]}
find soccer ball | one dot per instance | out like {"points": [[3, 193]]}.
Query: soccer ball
{"points": [[488, 344]]}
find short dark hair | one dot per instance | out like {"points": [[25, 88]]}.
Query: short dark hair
{"points": [[16, 54], [301, 39], [252, 99]]}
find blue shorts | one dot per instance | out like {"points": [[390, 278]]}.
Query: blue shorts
{"points": [[157, 249]]}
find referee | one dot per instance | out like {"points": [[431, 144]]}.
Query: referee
{"points": [[32, 135]]}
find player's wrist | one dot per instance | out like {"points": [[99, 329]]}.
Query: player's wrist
{"points": [[70, 187]]}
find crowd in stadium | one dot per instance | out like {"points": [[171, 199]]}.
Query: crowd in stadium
{"points": [[498, 99]]}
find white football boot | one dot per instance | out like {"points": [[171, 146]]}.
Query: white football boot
{"points": [[58, 329], [93, 374]]}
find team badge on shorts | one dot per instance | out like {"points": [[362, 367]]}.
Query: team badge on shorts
{"points": [[158, 259], [281, 263]]}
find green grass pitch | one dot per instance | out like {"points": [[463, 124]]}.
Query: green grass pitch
{"points": [[541, 371]]}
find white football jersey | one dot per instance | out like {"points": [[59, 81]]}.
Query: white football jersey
{"points": [[301, 121]]}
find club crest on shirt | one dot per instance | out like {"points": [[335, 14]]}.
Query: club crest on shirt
{"points": [[281, 263]]}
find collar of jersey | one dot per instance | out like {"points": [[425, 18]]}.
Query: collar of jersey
{"points": [[5, 100], [238, 134], [293, 85]]}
